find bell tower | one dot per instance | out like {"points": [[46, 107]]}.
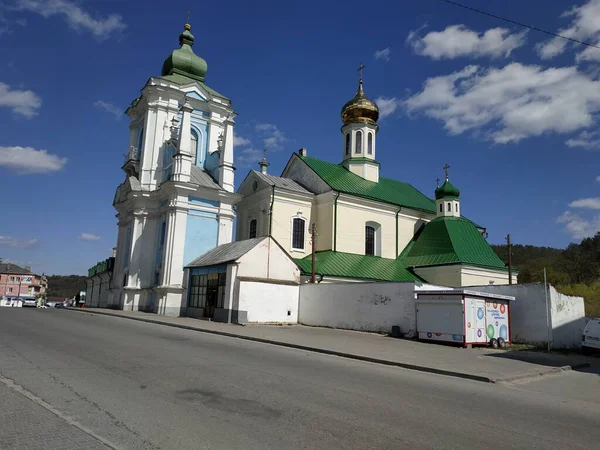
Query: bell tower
{"points": [[359, 134]]}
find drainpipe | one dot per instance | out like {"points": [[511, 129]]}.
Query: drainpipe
{"points": [[397, 212], [335, 222], [271, 210]]}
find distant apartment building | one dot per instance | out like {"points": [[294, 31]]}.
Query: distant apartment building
{"points": [[16, 281]]}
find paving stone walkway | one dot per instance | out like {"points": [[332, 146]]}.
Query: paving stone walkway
{"points": [[25, 425]]}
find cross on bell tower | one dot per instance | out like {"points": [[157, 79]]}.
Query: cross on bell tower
{"points": [[360, 71], [446, 167]]}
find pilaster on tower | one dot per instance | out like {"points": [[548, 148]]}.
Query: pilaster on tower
{"points": [[359, 134], [182, 159]]}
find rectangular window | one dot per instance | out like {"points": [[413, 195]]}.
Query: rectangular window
{"points": [[252, 230], [369, 240], [12, 279], [10, 289], [298, 234]]}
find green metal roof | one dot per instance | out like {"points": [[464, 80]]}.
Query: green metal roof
{"points": [[447, 190], [386, 190], [450, 240], [349, 265]]}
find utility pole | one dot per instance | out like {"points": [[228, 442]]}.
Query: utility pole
{"points": [[509, 259], [314, 249]]}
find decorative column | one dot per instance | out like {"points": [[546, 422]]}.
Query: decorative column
{"points": [[182, 159], [226, 176], [170, 291]]}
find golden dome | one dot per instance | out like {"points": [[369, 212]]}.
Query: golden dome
{"points": [[360, 109]]}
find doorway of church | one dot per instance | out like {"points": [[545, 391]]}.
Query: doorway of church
{"points": [[212, 294]]}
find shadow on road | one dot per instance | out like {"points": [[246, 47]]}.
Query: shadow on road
{"points": [[587, 364]]}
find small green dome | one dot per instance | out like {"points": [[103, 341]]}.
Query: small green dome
{"points": [[446, 190], [183, 60]]}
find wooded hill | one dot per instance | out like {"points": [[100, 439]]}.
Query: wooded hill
{"points": [[65, 285], [573, 271]]}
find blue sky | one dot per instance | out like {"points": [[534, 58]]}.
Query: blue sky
{"points": [[514, 112]]}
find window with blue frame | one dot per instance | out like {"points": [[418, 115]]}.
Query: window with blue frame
{"points": [[194, 146]]}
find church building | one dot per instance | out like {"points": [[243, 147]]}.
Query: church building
{"points": [[177, 204], [176, 201], [368, 228]]}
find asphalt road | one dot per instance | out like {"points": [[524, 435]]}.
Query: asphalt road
{"points": [[145, 386]]}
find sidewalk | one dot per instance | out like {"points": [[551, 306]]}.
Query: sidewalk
{"points": [[25, 425], [479, 364]]}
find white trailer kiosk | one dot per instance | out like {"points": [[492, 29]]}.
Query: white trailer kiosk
{"points": [[464, 317]]}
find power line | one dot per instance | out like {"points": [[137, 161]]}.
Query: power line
{"points": [[520, 24]]}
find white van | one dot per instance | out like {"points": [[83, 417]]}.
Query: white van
{"points": [[591, 336]]}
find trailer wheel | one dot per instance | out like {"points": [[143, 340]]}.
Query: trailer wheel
{"points": [[494, 343], [501, 343]]}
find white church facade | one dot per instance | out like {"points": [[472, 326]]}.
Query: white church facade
{"points": [[177, 205]]}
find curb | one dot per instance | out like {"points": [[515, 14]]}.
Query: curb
{"points": [[385, 362]]}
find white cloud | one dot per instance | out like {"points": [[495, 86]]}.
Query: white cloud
{"points": [[584, 26], [109, 108], [510, 103], [598, 179], [88, 237], [27, 160], [387, 106], [273, 137], [248, 157], [10, 241], [76, 17], [585, 139], [578, 226], [586, 203], [382, 54], [25, 103], [239, 141], [458, 41]]}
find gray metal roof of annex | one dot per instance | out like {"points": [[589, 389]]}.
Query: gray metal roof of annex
{"points": [[226, 253], [281, 182], [199, 176]]}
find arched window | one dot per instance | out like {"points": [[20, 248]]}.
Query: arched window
{"points": [[449, 208], [252, 229], [441, 207], [369, 240], [194, 145], [298, 232], [348, 144], [457, 207], [358, 142], [370, 144], [372, 239]]}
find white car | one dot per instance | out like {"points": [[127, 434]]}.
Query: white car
{"points": [[591, 336]]}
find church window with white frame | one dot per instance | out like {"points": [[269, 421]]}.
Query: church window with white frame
{"points": [[372, 239], [298, 232], [358, 142], [347, 144], [370, 144]]}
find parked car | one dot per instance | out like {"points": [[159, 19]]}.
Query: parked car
{"points": [[590, 340], [29, 301]]}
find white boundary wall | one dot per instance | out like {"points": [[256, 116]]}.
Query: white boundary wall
{"points": [[528, 314], [269, 302], [359, 306]]}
